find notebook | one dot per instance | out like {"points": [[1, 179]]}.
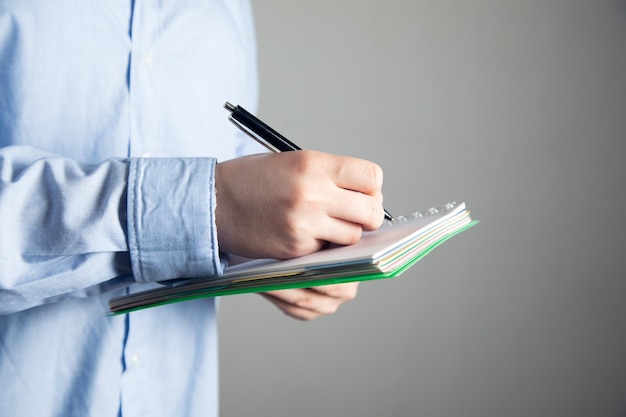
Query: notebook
{"points": [[387, 252]]}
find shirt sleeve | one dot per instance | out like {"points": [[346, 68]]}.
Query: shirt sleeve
{"points": [[171, 221], [73, 230]]}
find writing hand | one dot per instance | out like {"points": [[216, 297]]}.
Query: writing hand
{"points": [[290, 204]]}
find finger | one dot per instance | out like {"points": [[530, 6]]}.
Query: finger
{"points": [[345, 292], [356, 174], [298, 299], [358, 208], [338, 231], [291, 310]]}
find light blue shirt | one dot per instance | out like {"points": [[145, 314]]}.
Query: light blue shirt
{"points": [[111, 123]]}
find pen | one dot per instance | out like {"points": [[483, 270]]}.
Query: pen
{"points": [[264, 134]]}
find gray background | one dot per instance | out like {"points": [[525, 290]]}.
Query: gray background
{"points": [[517, 108]]}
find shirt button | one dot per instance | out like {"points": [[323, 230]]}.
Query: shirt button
{"points": [[134, 360], [148, 60]]}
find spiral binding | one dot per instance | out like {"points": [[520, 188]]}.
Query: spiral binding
{"points": [[419, 214]]}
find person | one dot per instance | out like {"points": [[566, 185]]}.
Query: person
{"points": [[119, 172]]}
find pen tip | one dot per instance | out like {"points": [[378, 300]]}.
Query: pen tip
{"points": [[229, 106]]}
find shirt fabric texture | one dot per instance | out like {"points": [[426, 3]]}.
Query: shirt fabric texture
{"points": [[111, 123]]}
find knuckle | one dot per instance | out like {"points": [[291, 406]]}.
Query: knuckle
{"points": [[373, 213], [374, 218], [304, 301], [297, 238], [374, 176], [353, 235], [305, 161], [294, 249]]}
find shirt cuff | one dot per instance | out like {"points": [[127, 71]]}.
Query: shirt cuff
{"points": [[171, 219]]}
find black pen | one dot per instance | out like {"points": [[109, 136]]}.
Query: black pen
{"points": [[264, 134]]}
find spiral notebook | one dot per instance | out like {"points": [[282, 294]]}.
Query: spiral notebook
{"points": [[384, 253]]}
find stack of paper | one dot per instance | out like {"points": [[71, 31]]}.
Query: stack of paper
{"points": [[384, 253]]}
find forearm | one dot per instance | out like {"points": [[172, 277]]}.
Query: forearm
{"points": [[71, 230]]}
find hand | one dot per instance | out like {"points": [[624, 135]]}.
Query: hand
{"points": [[311, 303], [290, 204]]}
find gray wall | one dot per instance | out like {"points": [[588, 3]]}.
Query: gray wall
{"points": [[517, 108]]}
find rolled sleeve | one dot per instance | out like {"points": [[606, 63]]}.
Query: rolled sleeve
{"points": [[171, 219]]}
